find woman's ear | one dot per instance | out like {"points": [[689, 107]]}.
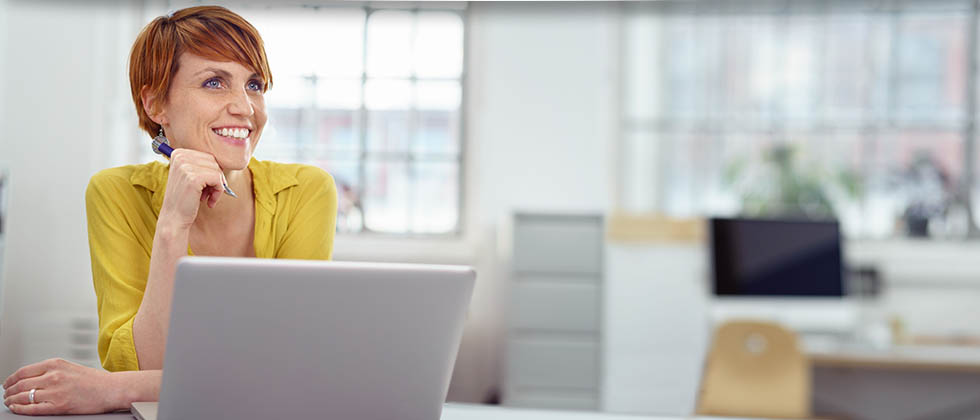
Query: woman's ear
{"points": [[152, 107]]}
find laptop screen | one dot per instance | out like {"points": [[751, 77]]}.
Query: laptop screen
{"points": [[755, 257]]}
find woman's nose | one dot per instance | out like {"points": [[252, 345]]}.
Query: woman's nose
{"points": [[241, 104]]}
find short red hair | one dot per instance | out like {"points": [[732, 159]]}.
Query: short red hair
{"points": [[212, 32]]}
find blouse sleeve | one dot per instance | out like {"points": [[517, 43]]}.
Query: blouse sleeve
{"points": [[120, 265], [313, 217]]}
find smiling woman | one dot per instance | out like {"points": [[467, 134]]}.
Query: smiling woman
{"points": [[198, 78]]}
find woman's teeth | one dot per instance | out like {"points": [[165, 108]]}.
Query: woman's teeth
{"points": [[240, 133]]}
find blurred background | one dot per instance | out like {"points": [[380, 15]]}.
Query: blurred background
{"points": [[575, 154]]}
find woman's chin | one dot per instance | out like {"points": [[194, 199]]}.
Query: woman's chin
{"points": [[234, 164]]}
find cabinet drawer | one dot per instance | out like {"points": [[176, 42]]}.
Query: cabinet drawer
{"points": [[552, 363], [558, 244], [555, 307]]}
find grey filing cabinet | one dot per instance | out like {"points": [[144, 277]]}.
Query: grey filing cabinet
{"points": [[554, 339]]}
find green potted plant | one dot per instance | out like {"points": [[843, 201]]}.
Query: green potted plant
{"points": [[781, 187]]}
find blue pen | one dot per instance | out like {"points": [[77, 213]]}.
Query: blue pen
{"points": [[162, 146]]}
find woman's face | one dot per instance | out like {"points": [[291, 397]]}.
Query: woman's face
{"points": [[215, 107]]}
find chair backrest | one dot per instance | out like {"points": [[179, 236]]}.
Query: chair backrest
{"points": [[755, 369]]}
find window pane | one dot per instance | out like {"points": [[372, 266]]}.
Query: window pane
{"points": [[387, 94], [346, 175], [386, 196], [857, 71], [916, 173], [437, 127], [931, 68], [338, 93], [814, 108], [752, 63], [436, 133], [339, 124], [388, 131], [337, 131], [341, 45], [289, 35], [287, 135], [439, 45], [390, 43], [289, 92], [642, 67], [438, 95], [281, 135], [640, 173], [692, 165], [796, 94], [344, 98], [685, 78], [388, 103], [435, 197]]}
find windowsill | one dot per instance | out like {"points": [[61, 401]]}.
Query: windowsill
{"points": [[916, 247], [919, 262]]}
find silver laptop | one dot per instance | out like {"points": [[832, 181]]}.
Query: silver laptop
{"points": [[289, 339]]}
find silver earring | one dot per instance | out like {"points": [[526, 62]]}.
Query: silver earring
{"points": [[160, 139]]}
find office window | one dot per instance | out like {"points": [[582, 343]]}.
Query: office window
{"points": [[856, 110], [374, 96]]}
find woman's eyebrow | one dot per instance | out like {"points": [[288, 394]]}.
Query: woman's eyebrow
{"points": [[219, 72], [225, 73]]}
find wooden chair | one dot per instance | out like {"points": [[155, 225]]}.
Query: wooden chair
{"points": [[755, 369]]}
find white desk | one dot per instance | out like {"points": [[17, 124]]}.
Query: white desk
{"points": [[905, 382], [915, 358], [480, 412], [450, 412]]}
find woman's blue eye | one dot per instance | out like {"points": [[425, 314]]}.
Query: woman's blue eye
{"points": [[212, 83], [255, 85]]}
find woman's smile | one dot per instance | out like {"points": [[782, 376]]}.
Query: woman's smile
{"points": [[235, 136]]}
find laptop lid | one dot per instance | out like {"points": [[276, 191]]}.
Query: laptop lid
{"points": [[260, 339]]}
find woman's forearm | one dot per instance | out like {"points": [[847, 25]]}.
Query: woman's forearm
{"points": [[152, 318], [134, 386]]}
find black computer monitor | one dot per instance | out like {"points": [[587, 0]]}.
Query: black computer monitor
{"points": [[760, 257]]}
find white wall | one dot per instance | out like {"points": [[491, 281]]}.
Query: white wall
{"points": [[538, 127], [541, 103], [63, 72]]}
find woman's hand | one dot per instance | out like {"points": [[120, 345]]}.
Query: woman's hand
{"points": [[62, 387], [194, 177]]}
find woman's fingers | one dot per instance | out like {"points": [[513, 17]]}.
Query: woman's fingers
{"points": [[23, 385], [215, 194], [211, 196], [24, 398], [18, 398], [39, 409], [194, 157], [29, 371], [66, 388], [202, 177], [192, 174]]}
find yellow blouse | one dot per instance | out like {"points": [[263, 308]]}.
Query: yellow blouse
{"points": [[295, 217]]}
